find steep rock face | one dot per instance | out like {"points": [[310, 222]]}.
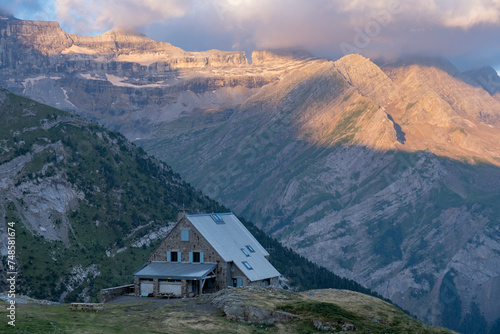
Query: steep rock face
{"points": [[449, 86], [488, 79], [45, 37], [125, 79], [49, 39], [268, 57], [442, 110], [368, 78]]}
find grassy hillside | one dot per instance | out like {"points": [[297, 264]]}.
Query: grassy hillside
{"points": [[87, 205], [328, 308]]}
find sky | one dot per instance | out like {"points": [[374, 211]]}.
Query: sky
{"points": [[465, 31]]}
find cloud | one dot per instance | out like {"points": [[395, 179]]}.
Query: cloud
{"points": [[463, 30], [28, 9], [87, 16]]}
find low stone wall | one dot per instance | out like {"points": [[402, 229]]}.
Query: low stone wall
{"points": [[112, 293]]}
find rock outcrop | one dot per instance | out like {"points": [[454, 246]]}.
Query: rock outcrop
{"points": [[368, 78], [238, 305], [273, 57]]}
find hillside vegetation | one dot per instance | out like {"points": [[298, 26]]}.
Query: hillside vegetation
{"points": [[314, 311], [89, 207]]}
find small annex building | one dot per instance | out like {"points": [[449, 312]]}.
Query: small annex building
{"points": [[205, 253]]}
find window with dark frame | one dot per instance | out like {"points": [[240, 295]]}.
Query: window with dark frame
{"points": [[173, 257], [196, 257], [247, 265], [217, 218]]}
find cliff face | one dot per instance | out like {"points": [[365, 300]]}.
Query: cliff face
{"points": [[40, 60], [271, 57], [368, 78], [45, 37], [49, 39]]}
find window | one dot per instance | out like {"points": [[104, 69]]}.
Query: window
{"points": [[250, 248], [196, 257], [174, 256], [169, 281], [174, 280], [245, 252], [217, 218], [247, 265], [184, 235]]}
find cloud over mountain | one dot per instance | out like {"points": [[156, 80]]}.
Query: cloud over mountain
{"points": [[464, 30]]}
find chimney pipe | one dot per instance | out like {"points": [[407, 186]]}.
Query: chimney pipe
{"points": [[180, 214]]}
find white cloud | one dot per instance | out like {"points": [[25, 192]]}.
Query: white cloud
{"points": [[452, 28], [466, 13], [86, 16]]}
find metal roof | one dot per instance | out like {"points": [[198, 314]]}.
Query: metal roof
{"points": [[174, 270], [228, 238]]}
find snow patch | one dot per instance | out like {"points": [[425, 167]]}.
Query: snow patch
{"points": [[117, 81], [79, 50], [89, 76], [66, 97]]}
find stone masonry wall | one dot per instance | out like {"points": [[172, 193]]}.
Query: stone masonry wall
{"points": [[196, 243], [109, 294]]}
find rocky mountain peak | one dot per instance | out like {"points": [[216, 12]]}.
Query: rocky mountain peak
{"points": [[127, 36], [487, 78], [367, 77], [45, 37], [426, 61], [123, 32], [122, 41]]}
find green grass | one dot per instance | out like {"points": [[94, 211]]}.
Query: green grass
{"points": [[347, 97], [128, 318], [346, 127], [459, 129], [194, 317], [308, 311], [410, 105]]}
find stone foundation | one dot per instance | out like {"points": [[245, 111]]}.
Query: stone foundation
{"points": [[111, 293]]}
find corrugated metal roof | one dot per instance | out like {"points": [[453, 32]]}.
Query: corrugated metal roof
{"points": [[229, 238], [174, 270]]}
